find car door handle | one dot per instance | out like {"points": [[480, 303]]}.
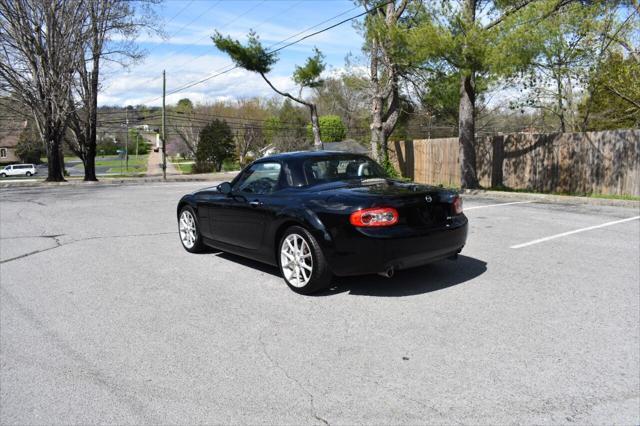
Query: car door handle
{"points": [[255, 203]]}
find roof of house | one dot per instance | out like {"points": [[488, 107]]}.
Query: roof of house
{"points": [[9, 139]]}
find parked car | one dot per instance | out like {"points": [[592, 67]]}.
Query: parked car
{"points": [[320, 214], [18, 170]]}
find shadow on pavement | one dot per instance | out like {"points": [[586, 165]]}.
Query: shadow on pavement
{"points": [[410, 282]]}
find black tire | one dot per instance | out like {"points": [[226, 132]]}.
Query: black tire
{"points": [[320, 274], [28, 174], [198, 246], [4, 175]]}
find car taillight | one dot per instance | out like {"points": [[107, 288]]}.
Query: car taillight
{"points": [[457, 205], [381, 216]]}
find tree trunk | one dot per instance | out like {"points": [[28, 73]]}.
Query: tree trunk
{"points": [[377, 130], [90, 163], [563, 126], [315, 128], [466, 132], [54, 156]]}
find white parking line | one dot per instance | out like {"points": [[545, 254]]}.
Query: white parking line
{"points": [[564, 234], [497, 205]]}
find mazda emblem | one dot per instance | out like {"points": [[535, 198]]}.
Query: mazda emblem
{"points": [[428, 198]]}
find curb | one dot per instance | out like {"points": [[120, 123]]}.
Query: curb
{"points": [[550, 198], [122, 181]]}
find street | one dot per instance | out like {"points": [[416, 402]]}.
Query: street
{"points": [[105, 318]]}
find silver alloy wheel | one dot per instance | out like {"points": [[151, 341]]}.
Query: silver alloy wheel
{"points": [[187, 229], [296, 260]]}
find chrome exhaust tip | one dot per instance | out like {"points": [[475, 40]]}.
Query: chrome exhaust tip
{"points": [[388, 273]]}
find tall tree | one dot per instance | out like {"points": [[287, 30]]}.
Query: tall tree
{"points": [[41, 44], [385, 44], [185, 124], [487, 38], [576, 45], [215, 146], [111, 29], [614, 103], [254, 57]]}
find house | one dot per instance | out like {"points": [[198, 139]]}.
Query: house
{"points": [[8, 142]]}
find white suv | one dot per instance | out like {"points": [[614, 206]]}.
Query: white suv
{"points": [[18, 170]]}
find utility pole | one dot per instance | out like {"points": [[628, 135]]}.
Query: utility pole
{"points": [[126, 112], [164, 125]]}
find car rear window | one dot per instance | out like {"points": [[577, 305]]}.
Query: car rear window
{"points": [[341, 168]]}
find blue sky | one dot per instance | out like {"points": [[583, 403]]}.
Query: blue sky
{"points": [[189, 55]]}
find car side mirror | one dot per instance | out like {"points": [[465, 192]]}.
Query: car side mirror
{"points": [[225, 188]]}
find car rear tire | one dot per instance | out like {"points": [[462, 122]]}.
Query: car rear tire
{"points": [[302, 263], [4, 175], [189, 231], [28, 174]]}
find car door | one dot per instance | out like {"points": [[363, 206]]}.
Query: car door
{"points": [[240, 218]]}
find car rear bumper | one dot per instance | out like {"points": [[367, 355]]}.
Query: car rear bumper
{"points": [[374, 251]]}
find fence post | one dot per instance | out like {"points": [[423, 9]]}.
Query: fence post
{"points": [[496, 161]]}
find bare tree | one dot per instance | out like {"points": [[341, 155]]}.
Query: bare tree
{"points": [[111, 29], [251, 139], [41, 43]]}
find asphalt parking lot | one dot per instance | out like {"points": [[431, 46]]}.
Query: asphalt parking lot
{"points": [[105, 318]]}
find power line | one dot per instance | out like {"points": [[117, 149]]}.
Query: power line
{"points": [[226, 25], [224, 71], [196, 18]]}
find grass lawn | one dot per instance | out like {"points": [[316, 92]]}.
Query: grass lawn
{"points": [[184, 168], [136, 166]]}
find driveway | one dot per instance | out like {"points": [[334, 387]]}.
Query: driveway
{"points": [[106, 319]]}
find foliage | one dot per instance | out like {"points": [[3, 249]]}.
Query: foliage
{"points": [[332, 129], [389, 168], [614, 102], [184, 106], [29, 148], [308, 75], [346, 96], [288, 130], [214, 146], [252, 57], [136, 140]]}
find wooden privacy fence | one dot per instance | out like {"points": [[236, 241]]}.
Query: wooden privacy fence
{"points": [[605, 162]]}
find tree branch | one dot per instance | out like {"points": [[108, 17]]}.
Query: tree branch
{"points": [[285, 94]]}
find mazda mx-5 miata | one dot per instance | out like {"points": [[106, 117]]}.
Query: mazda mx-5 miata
{"points": [[320, 214]]}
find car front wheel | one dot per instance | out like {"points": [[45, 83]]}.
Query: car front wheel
{"points": [[302, 262], [189, 231], [28, 174]]}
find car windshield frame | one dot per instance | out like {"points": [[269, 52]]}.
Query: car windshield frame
{"points": [[378, 170]]}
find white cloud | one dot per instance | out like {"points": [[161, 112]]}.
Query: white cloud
{"points": [[138, 87], [190, 56]]}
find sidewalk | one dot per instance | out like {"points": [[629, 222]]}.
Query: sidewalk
{"points": [[154, 165]]}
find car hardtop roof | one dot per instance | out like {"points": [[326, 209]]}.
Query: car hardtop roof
{"points": [[298, 155]]}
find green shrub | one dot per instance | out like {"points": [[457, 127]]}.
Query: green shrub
{"points": [[332, 129]]}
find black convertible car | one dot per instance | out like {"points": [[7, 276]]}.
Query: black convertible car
{"points": [[316, 214]]}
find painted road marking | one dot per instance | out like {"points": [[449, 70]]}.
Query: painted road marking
{"points": [[564, 234], [497, 205]]}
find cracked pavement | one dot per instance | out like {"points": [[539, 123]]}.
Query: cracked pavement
{"points": [[104, 318]]}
